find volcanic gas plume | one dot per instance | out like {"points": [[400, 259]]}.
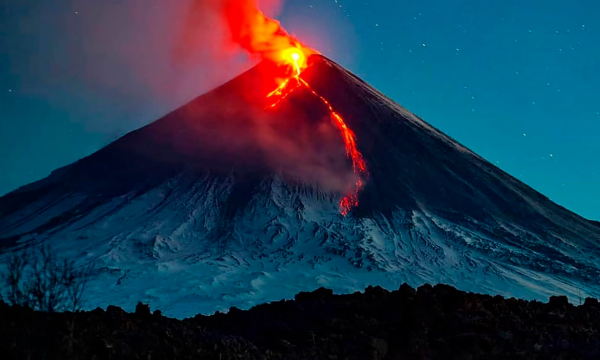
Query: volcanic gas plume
{"points": [[263, 36]]}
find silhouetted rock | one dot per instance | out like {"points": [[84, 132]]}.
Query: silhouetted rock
{"points": [[98, 311], [142, 310], [406, 290], [376, 291], [319, 294], [432, 322], [558, 301], [590, 302], [114, 310]]}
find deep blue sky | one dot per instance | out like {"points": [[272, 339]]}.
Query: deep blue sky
{"points": [[516, 81]]}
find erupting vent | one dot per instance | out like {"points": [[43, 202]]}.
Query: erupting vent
{"points": [[264, 37], [296, 60]]}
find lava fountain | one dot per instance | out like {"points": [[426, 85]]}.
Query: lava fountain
{"points": [[296, 59], [263, 36]]}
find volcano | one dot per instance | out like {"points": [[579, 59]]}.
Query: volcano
{"points": [[228, 201]]}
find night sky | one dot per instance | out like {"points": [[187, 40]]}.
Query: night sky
{"points": [[518, 82]]}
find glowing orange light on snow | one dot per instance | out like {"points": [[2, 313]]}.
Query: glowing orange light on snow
{"points": [[297, 60]]}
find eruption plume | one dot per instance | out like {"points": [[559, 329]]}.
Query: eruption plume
{"points": [[263, 36], [257, 33], [359, 165]]}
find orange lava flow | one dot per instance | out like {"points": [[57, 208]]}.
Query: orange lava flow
{"points": [[287, 87], [298, 63]]}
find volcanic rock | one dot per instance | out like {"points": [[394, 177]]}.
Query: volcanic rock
{"points": [[376, 325]]}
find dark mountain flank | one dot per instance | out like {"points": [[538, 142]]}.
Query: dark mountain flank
{"points": [[225, 200]]}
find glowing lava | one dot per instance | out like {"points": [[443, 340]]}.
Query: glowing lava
{"points": [[263, 36], [298, 63], [295, 59]]}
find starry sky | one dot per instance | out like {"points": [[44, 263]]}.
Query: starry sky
{"points": [[518, 82]]}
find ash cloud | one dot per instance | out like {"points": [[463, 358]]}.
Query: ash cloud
{"points": [[247, 24], [303, 149], [137, 58], [311, 152], [148, 45], [230, 130], [114, 66]]}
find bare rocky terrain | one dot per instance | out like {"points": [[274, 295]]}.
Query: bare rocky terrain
{"points": [[436, 322]]}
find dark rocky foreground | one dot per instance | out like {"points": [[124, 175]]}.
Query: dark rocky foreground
{"points": [[428, 323]]}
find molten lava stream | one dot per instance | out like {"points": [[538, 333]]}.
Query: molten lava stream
{"points": [[359, 165]]}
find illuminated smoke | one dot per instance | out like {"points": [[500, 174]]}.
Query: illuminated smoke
{"points": [[264, 37], [297, 61]]}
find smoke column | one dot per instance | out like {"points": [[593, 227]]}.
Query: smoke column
{"points": [[248, 26]]}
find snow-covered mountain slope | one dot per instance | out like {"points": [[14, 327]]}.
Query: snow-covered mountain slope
{"points": [[223, 203]]}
